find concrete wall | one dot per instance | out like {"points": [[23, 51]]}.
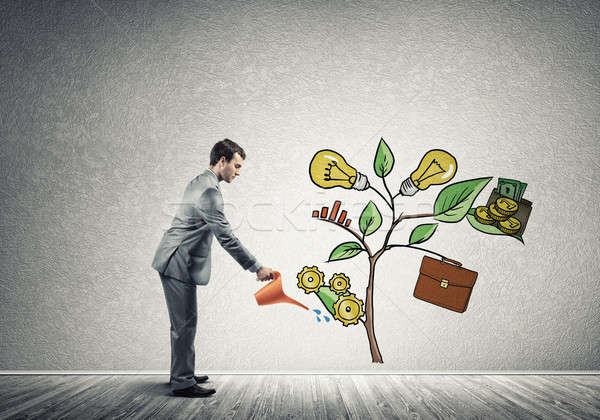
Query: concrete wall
{"points": [[108, 109]]}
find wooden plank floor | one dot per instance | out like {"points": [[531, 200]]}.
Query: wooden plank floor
{"points": [[304, 397]]}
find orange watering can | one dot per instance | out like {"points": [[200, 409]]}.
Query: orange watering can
{"points": [[273, 293]]}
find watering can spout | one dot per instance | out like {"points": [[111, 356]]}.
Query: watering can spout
{"points": [[273, 293]]}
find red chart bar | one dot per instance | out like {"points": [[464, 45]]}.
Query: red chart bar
{"points": [[324, 212], [348, 222], [334, 210], [315, 213], [342, 217]]}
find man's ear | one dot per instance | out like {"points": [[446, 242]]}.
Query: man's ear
{"points": [[223, 160]]}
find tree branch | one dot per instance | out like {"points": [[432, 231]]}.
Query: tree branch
{"points": [[353, 232], [398, 220], [381, 195], [414, 247], [391, 199]]}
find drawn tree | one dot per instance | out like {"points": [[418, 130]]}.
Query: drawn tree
{"points": [[453, 204]]}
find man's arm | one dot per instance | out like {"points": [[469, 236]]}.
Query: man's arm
{"points": [[211, 207]]}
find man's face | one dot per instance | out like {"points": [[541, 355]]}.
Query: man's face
{"points": [[232, 168]]}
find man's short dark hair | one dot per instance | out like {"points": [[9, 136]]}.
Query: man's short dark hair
{"points": [[225, 148]]}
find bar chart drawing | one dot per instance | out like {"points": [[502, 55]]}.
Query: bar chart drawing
{"points": [[333, 216]]}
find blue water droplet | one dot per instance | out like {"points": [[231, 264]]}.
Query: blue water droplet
{"points": [[318, 312], [326, 318], [318, 319]]}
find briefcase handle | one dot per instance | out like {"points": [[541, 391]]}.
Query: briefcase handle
{"points": [[444, 259]]}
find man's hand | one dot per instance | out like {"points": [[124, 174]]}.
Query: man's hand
{"points": [[264, 274]]}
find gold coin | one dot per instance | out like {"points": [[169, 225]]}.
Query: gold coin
{"points": [[506, 206], [510, 225], [482, 216], [495, 214]]}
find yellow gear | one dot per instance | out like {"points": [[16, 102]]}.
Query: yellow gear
{"points": [[310, 279], [339, 283], [348, 309]]}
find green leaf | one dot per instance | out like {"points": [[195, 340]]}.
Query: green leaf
{"points": [[384, 159], [370, 219], [489, 229], [345, 251], [422, 232], [454, 201]]}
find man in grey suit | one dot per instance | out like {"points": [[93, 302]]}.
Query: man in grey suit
{"points": [[183, 259]]}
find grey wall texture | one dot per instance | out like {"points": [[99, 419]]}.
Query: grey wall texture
{"points": [[108, 109]]}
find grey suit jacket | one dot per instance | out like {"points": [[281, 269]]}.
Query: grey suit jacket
{"points": [[184, 251]]}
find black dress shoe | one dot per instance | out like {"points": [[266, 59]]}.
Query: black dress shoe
{"points": [[198, 379], [194, 391]]}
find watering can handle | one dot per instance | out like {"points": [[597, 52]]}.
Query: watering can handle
{"points": [[273, 293]]}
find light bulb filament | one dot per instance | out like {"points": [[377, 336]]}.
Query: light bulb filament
{"points": [[327, 175], [433, 162]]}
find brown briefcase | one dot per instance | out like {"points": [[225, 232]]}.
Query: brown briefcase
{"points": [[445, 283]]}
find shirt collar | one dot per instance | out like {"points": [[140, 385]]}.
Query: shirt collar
{"points": [[213, 174]]}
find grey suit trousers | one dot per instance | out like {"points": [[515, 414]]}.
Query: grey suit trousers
{"points": [[183, 313]]}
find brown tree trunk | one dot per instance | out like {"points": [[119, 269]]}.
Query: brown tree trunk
{"points": [[369, 324]]}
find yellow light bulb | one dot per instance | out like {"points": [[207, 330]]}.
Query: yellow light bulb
{"points": [[436, 167], [328, 169]]}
